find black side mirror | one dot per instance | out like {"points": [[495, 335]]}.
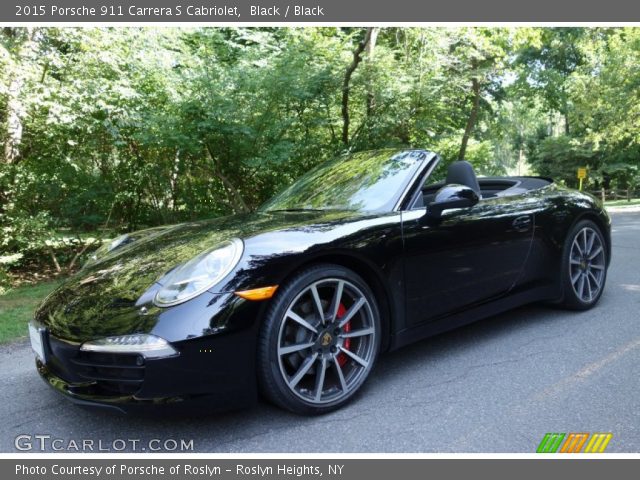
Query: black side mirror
{"points": [[452, 196]]}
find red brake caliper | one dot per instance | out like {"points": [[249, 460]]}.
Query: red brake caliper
{"points": [[342, 358]]}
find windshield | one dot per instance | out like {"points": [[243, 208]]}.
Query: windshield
{"points": [[368, 181]]}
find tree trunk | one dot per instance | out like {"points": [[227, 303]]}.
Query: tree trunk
{"points": [[14, 121], [565, 107], [173, 181], [473, 116], [237, 202], [78, 254], [14, 108], [520, 160], [371, 45], [54, 259], [357, 58]]}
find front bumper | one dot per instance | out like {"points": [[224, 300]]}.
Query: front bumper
{"points": [[215, 372]]}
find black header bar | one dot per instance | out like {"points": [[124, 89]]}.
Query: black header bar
{"points": [[318, 11]]}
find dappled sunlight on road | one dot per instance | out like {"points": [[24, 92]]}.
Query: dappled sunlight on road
{"points": [[630, 287]]}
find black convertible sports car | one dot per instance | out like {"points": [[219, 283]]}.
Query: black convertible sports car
{"points": [[297, 300]]}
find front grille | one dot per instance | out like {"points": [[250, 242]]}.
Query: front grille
{"points": [[116, 373], [111, 374]]}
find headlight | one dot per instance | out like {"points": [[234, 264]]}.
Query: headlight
{"points": [[149, 346], [199, 274]]}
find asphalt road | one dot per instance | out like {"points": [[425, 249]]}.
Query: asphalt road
{"points": [[496, 386]]}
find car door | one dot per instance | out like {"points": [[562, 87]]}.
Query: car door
{"points": [[466, 257]]}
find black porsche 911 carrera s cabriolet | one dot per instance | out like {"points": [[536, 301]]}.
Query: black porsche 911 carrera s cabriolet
{"points": [[297, 300]]}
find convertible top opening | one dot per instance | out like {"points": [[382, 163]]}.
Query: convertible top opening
{"points": [[491, 187]]}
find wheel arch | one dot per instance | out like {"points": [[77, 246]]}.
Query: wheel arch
{"points": [[370, 275], [601, 224], [574, 301]]}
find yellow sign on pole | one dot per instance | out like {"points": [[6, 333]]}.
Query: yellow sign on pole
{"points": [[582, 174]]}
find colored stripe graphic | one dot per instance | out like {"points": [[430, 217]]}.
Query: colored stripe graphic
{"points": [[598, 442], [550, 443], [574, 442]]}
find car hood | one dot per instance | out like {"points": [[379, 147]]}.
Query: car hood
{"points": [[117, 281]]}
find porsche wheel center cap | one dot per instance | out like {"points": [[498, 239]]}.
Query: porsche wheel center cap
{"points": [[584, 264], [326, 339]]}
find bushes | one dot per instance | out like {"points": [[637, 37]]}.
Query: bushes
{"points": [[135, 127], [559, 157], [31, 250]]}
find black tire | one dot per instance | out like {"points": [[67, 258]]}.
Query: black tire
{"points": [[579, 280], [331, 368]]}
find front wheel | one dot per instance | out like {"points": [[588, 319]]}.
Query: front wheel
{"points": [[319, 340], [584, 266]]}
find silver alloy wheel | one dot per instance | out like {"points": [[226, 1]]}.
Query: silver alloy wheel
{"points": [[587, 263], [327, 341]]}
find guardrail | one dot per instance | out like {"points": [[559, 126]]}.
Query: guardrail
{"points": [[616, 194]]}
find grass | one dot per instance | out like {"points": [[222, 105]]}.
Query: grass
{"points": [[17, 306], [634, 202]]}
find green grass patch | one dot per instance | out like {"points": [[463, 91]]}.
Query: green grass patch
{"points": [[17, 307], [622, 203]]}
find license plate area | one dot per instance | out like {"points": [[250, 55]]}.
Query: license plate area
{"points": [[38, 342]]}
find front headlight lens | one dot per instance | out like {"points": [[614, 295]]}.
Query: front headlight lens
{"points": [[199, 274], [149, 346]]}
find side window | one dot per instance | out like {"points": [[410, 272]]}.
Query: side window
{"points": [[429, 186]]}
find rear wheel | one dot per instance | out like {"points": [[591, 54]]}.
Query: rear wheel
{"points": [[584, 266], [319, 340]]}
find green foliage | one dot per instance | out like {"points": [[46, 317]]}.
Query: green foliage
{"points": [[122, 128], [558, 157]]}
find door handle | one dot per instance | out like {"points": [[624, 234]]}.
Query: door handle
{"points": [[522, 224]]}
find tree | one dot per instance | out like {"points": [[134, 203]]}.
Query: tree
{"points": [[357, 58], [107, 130], [479, 55], [19, 50], [550, 56]]}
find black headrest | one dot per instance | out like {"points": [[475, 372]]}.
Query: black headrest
{"points": [[461, 172]]}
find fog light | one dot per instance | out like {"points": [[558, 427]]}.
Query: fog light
{"points": [[149, 346]]}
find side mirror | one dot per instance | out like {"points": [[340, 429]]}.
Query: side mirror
{"points": [[452, 196]]}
